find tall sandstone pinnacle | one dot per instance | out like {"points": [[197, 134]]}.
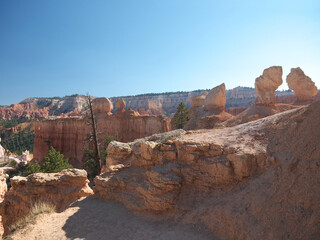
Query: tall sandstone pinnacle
{"points": [[267, 84], [302, 85], [216, 99]]}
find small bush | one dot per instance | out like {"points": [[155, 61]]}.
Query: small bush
{"points": [[36, 209]]}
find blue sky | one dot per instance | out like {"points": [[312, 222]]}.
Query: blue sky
{"points": [[116, 48]]}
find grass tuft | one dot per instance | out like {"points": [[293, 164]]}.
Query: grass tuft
{"points": [[37, 208]]}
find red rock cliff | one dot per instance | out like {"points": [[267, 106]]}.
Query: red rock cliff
{"points": [[68, 135]]}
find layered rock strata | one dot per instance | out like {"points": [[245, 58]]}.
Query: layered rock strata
{"points": [[302, 85], [59, 189], [258, 180], [70, 135]]}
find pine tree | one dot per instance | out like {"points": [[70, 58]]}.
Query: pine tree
{"points": [[54, 162], [181, 116]]}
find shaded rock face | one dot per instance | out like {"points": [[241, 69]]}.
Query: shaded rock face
{"points": [[69, 135], [208, 109], [216, 99], [267, 84], [303, 87], [59, 189], [259, 180]]}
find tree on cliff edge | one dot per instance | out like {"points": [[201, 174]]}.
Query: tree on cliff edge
{"points": [[181, 116], [94, 135]]}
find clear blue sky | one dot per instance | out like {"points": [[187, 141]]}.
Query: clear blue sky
{"points": [[113, 48]]}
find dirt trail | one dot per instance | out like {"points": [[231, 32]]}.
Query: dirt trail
{"points": [[93, 219]]}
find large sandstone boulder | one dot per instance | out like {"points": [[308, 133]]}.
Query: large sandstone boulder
{"points": [[216, 99], [267, 84], [102, 105], [302, 85], [59, 189]]}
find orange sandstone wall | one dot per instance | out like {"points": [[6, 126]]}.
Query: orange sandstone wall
{"points": [[68, 135]]}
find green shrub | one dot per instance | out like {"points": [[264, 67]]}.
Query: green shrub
{"points": [[54, 162]]}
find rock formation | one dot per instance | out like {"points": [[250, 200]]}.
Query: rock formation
{"points": [[3, 190], [59, 189], [102, 105], [216, 99], [265, 104], [3, 185], [27, 110], [120, 105], [303, 87], [26, 156], [2, 150], [267, 84], [69, 135], [259, 180], [208, 109]]}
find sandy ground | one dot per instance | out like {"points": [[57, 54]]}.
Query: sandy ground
{"points": [[94, 219]]}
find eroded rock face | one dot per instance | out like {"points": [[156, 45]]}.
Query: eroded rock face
{"points": [[69, 135], [26, 110], [267, 84], [59, 189], [148, 175], [102, 105], [207, 109], [303, 87], [258, 180], [216, 99]]}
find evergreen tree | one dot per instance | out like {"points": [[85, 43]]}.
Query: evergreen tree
{"points": [[181, 116], [54, 162]]}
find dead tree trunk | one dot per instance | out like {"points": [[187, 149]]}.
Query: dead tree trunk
{"points": [[94, 136]]}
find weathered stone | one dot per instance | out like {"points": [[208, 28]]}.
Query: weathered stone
{"points": [[303, 87], [207, 110], [102, 105], [216, 99], [198, 101], [59, 189], [267, 84], [147, 148]]}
